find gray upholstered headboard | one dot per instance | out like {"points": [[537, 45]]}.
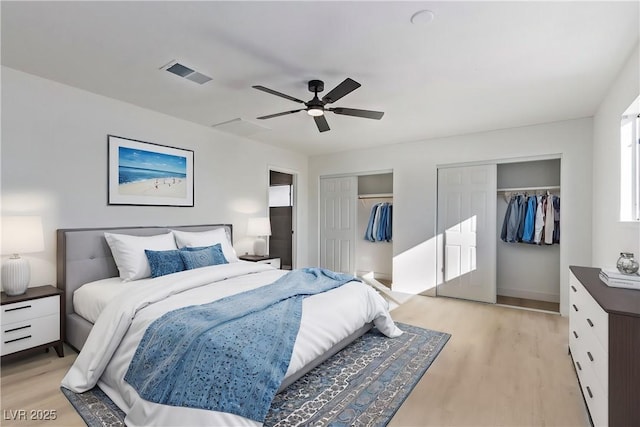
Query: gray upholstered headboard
{"points": [[83, 256]]}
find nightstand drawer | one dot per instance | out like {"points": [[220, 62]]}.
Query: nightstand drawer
{"points": [[30, 333], [273, 261], [30, 309]]}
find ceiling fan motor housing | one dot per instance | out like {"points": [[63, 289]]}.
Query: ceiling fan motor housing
{"points": [[316, 86]]}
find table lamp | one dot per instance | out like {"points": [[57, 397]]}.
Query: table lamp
{"points": [[20, 235], [259, 227]]}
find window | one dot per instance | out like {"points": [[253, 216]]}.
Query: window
{"points": [[280, 195], [630, 163]]}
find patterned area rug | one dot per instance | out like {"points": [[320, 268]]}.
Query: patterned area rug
{"points": [[364, 384]]}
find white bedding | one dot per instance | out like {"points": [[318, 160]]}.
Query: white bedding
{"points": [[327, 318], [91, 298]]}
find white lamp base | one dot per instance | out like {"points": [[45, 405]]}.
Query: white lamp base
{"points": [[15, 276], [260, 246]]}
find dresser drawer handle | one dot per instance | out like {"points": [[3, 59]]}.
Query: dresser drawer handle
{"points": [[17, 329], [578, 365], [18, 339], [575, 334], [589, 322], [589, 391], [575, 308], [590, 356], [17, 308], [573, 288]]}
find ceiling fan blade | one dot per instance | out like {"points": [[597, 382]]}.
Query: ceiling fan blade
{"points": [[276, 93], [344, 88], [321, 122], [284, 113], [367, 114]]}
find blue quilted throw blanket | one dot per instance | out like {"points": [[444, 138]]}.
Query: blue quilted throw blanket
{"points": [[229, 355]]}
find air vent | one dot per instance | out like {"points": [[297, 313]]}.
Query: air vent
{"points": [[181, 70], [240, 127]]}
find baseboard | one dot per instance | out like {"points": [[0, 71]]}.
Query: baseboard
{"points": [[376, 275], [533, 295]]}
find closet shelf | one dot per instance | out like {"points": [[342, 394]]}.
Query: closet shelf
{"points": [[376, 196], [550, 188]]}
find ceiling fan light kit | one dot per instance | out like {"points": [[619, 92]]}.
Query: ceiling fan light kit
{"points": [[316, 106]]}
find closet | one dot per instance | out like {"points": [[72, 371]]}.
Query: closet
{"points": [[473, 262], [346, 203], [527, 274], [374, 256]]}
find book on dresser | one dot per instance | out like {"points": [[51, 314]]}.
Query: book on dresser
{"points": [[604, 343], [612, 277]]}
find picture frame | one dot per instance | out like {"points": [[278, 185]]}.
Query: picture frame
{"points": [[147, 174]]}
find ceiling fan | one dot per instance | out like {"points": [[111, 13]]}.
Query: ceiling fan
{"points": [[316, 107]]}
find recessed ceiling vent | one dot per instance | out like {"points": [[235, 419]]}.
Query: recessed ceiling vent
{"points": [[240, 127], [183, 71]]}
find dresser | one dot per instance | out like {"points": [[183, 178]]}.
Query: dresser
{"points": [[604, 342], [32, 321]]}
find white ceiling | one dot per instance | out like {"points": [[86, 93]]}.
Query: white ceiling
{"points": [[477, 66]]}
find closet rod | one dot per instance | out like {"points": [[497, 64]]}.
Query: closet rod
{"points": [[550, 188], [376, 196]]}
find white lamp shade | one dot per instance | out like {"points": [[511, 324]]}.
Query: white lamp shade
{"points": [[22, 234], [259, 227]]}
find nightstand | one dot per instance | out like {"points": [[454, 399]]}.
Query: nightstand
{"points": [[262, 259], [32, 321]]}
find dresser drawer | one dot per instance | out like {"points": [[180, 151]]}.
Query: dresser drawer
{"points": [[29, 333], [595, 396], [31, 309], [588, 313], [590, 352]]}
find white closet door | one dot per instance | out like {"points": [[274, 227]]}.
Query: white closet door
{"points": [[467, 232], [338, 223]]}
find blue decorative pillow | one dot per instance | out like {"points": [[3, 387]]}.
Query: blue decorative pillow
{"points": [[202, 256], [164, 262], [218, 254]]}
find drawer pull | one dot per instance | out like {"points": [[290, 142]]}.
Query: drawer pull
{"points": [[17, 329], [573, 288], [589, 391], [578, 365], [17, 308], [575, 308], [589, 322], [575, 334], [590, 356], [18, 339]]}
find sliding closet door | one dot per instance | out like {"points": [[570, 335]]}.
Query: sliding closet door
{"points": [[467, 232], [338, 223]]}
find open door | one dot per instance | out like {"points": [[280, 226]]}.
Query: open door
{"points": [[467, 232], [281, 214]]}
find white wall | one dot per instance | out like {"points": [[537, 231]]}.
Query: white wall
{"points": [[414, 168], [610, 236], [54, 164]]}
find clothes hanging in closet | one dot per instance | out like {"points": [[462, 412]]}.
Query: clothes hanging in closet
{"points": [[380, 220], [532, 219]]}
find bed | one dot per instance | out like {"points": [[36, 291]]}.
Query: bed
{"points": [[109, 344]]}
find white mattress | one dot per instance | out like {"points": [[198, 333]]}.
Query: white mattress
{"points": [[91, 298]]}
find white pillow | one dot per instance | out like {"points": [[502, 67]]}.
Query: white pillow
{"points": [[192, 239], [128, 252]]}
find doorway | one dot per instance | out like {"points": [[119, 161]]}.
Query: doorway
{"points": [[281, 214]]}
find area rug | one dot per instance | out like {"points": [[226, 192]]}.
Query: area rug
{"points": [[363, 385]]}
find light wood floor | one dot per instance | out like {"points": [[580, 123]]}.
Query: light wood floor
{"points": [[501, 367]]}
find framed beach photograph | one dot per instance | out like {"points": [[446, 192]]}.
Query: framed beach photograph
{"points": [[144, 173]]}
